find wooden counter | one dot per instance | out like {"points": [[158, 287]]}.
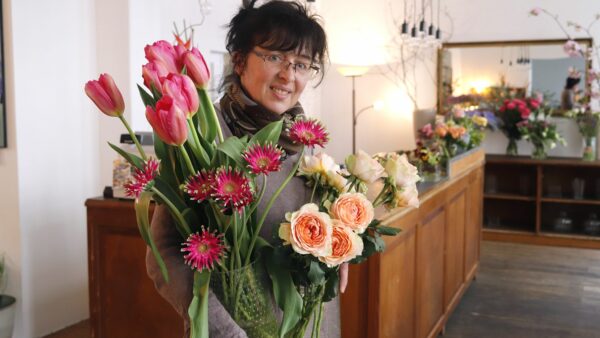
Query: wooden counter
{"points": [[411, 289]]}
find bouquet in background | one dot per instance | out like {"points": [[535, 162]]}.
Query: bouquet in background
{"points": [[338, 225], [512, 113], [587, 122], [210, 185], [542, 134]]}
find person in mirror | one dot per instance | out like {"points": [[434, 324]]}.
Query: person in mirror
{"points": [[568, 98], [276, 49]]}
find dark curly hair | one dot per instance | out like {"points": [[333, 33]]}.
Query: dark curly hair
{"points": [[276, 25], [572, 82]]}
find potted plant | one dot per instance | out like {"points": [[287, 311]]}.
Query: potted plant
{"points": [[7, 304]]}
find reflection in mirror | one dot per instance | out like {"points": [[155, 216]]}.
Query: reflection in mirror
{"points": [[476, 70]]}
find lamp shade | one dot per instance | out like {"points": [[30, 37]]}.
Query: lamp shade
{"points": [[353, 70]]}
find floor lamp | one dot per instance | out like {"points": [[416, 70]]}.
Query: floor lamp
{"points": [[354, 72]]}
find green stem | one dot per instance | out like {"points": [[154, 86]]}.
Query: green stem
{"points": [[260, 196], [320, 318], [210, 110], [132, 134], [194, 132], [312, 196], [186, 157], [270, 204], [183, 228]]}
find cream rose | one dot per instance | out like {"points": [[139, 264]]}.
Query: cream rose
{"points": [[345, 245], [354, 210], [364, 167], [308, 231], [403, 173], [406, 197], [320, 163], [337, 181]]}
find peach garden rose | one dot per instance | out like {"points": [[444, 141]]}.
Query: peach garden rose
{"points": [[308, 231], [354, 210], [345, 245]]}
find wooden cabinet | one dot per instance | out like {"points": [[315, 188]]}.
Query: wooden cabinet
{"points": [[527, 200], [123, 300], [410, 290]]}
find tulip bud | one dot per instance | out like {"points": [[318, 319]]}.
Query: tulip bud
{"points": [[152, 73], [163, 52], [196, 67], [168, 121], [181, 88], [105, 94]]}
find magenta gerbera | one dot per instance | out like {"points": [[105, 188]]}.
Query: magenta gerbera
{"points": [[142, 178], [200, 186], [263, 159], [309, 132], [204, 249], [232, 188]]}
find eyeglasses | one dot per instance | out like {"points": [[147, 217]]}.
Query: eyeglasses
{"points": [[277, 61]]}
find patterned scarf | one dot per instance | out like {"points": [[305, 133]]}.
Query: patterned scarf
{"points": [[246, 117]]}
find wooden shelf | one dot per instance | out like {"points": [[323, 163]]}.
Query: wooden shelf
{"points": [[571, 235], [570, 201], [510, 197], [508, 230]]}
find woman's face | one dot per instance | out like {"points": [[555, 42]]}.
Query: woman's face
{"points": [[277, 88]]}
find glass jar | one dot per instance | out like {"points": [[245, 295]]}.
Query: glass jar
{"points": [[563, 223], [591, 226]]}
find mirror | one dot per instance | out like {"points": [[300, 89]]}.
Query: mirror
{"points": [[476, 70]]}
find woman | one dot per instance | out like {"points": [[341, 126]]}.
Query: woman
{"points": [[568, 95], [276, 49]]}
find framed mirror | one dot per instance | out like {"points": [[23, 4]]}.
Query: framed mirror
{"points": [[476, 70], [2, 87]]}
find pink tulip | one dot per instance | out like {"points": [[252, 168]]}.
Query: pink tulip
{"points": [[168, 121], [196, 67], [181, 88], [153, 74], [106, 95], [163, 52]]}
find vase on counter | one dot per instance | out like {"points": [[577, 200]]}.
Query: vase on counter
{"points": [[589, 148], [511, 148]]}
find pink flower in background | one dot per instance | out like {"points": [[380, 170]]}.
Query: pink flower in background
{"points": [[309, 132], [533, 103], [539, 96], [572, 48], [196, 67], [200, 186], [153, 73], [458, 112], [203, 250], [511, 106], [168, 121], [142, 178], [105, 94], [164, 53], [427, 130], [535, 11], [232, 188], [263, 159], [181, 88]]}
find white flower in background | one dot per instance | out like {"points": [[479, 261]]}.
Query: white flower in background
{"points": [[364, 167], [320, 163], [406, 197]]}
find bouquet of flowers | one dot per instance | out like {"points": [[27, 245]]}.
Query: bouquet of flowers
{"points": [[541, 133], [512, 113], [208, 183], [338, 225]]}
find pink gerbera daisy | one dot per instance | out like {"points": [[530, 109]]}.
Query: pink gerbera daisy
{"points": [[232, 188], [142, 178], [263, 159], [309, 132], [203, 249], [200, 186]]}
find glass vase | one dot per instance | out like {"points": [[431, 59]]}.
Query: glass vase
{"points": [[312, 307], [245, 295], [511, 148], [589, 148], [431, 172], [539, 151]]}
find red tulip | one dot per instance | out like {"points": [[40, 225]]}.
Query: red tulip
{"points": [[196, 67], [168, 121], [153, 73], [181, 89], [163, 52], [106, 95]]}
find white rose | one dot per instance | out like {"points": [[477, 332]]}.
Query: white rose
{"points": [[403, 173], [406, 197], [320, 163], [337, 181], [364, 167]]}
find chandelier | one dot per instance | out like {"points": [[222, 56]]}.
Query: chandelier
{"points": [[414, 30]]}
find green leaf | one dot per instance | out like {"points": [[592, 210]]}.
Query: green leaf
{"points": [[284, 290], [332, 286], [316, 275], [387, 231], [208, 147], [233, 148], [207, 110], [134, 160], [198, 310], [146, 97], [142, 205], [270, 133]]}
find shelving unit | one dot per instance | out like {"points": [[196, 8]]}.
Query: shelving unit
{"points": [[523, 198]]}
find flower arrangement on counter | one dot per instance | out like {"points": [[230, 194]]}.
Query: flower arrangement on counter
{"points": [[512, 113], [539, 131], [212, 186]]}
